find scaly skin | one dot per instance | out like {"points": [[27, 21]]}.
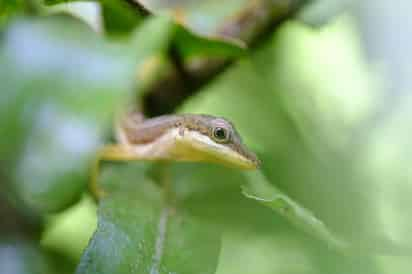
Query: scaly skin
{"points": [[186, 137]]}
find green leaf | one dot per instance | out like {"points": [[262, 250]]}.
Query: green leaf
{"points": [[293, 101], [259, 189], [119, 16], [143, 229], [53, 2], [212, 194], [233, 21], [188, 13], [23, 256], [8, 8], [61, 85], [13, 8], [142, 225], [68, 232], [191, 45]]}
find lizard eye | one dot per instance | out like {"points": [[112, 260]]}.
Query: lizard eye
{"points": [[220, 135]]}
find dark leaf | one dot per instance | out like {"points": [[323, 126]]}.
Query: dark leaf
{"points": [[143, 229]]}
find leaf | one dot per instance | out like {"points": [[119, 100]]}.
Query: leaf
{"points": [[141, 229], [212, 194], [53, 2], [191, 45], [259, 189], [8, 9], [320, 12], [119, 16], [302, 122], [68, 232], [23, 256], [61, 85], [291, 136], [387, 48], [234, 21]]}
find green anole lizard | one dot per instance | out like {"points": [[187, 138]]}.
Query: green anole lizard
{"points": [[185, 137]]}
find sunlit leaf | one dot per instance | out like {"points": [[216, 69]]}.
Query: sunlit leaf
{"points": [[298, 113], [298, 145]]}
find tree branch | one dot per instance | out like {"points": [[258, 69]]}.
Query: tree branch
{"points": [[253, 25]]}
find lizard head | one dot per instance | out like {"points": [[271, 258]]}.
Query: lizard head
{"points": [[213, 139]]}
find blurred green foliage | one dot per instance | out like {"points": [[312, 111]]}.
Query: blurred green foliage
{"points": [[332, 196], [54, 107]]}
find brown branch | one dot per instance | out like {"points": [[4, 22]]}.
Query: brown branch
{"points": [[253, 25]]}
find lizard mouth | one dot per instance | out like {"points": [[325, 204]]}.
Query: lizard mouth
{"points": [[205, 150], [196, 147]]}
